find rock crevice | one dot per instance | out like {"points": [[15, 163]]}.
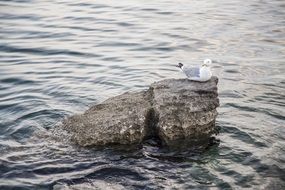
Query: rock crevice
{"points": [[173, 110]]}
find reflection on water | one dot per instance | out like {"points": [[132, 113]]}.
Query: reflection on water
{"points": [[59, 57]]}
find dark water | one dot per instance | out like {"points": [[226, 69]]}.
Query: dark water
{"points": [[59, 57]]}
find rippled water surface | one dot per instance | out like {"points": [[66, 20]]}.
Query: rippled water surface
{"points": [[59, 57]]}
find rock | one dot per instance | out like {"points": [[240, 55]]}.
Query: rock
{"points": [[118, 120], [174, 110], [186, 109]]}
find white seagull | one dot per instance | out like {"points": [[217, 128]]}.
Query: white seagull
{"points": [[201, 74]]}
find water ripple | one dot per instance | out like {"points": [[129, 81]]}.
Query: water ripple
{"points": [[41, 51], [59, 57]]}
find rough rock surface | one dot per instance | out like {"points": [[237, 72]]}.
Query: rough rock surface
{"points": [[175, 110], [186, 109], [118, 120]]}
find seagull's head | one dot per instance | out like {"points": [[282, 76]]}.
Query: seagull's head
{"points": [[207, 63], [180, 65]]}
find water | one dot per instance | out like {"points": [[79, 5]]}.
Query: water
{"points": [[60, 57]]}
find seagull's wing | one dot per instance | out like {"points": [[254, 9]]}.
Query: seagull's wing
{"points": [[192, 72]]}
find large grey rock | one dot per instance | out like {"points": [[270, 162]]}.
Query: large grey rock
{"points": [[186, 109], [175, 110], [118, 120]]}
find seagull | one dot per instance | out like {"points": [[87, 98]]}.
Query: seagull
{"points": [[201, 74]]}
